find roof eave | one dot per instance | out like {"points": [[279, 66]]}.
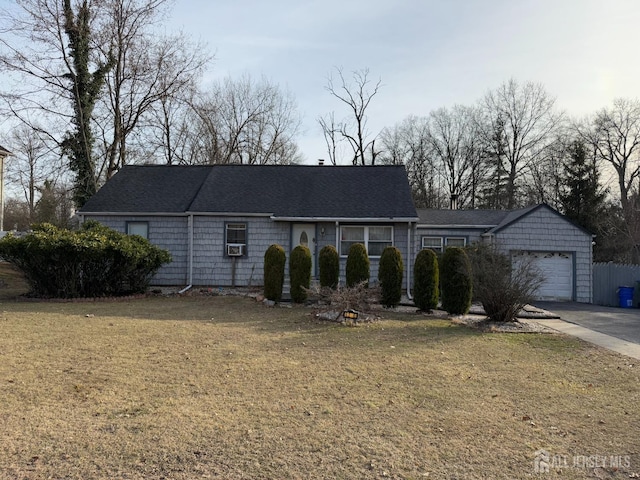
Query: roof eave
{"points": [[345, 219], [134, 214], [453, 225]]}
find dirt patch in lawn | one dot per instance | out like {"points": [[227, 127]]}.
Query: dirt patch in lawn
{"points": [[223, 387]]}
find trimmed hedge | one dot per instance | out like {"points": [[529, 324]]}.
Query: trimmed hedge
{"points": [[300, 273], [274, 261], [94, 261], [329, 264], [456, 281], [426, 278], [357, 269], [390, 276]]}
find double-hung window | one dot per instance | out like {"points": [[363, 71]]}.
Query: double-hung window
{"points": [[456, 241], [236, 239], [374, 238], [434, 243], [138, 228], [438, 244]]}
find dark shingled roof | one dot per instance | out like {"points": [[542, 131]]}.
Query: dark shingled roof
{"points": [[149, 189], [4, 151], [491, 221], [477, 218], [296, 191]]}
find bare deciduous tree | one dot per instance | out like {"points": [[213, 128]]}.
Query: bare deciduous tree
{"points": [[331, 133], [522, 119], [455, 146], [48, 48], [408, 143], [247, 122], [357, 96], [34, 162], [148, 69], [614, 134]]}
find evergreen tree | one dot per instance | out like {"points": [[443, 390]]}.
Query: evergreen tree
{"points": [[583, 199]]}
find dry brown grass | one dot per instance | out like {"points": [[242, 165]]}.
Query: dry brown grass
{"points": [[222, 387]]}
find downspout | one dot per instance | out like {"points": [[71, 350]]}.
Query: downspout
{"points": [[338, 248], [190, 255], [409, 235]]}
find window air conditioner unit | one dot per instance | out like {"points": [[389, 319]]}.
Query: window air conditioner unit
{"points": [[234, 250]]}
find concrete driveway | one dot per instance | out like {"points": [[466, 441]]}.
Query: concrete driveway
{"points": [[622, 323], [617, 329]]}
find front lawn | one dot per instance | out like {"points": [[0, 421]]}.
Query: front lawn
{"points": [[223, 387]]}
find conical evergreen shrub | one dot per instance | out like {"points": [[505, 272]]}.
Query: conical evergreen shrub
{"points": [[390, 273], [357, 269], [426, 279], [274, 261], [456, 281], [329, 264], [300, 273]]}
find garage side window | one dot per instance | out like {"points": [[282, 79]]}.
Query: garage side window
{"points": [[138, 228], [236, 239], [434, 243], [456, 241]]}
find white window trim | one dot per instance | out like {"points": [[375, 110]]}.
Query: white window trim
{"points": [[226, 237], [436, 249], [366, 237], [464, 241]]}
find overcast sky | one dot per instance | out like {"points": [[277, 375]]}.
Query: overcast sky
{"points": [[428, 53]]}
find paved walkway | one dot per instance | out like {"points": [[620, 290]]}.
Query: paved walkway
{"points": [[607, 341]]}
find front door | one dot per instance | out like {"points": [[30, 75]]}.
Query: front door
{"points": [[305, 234]]}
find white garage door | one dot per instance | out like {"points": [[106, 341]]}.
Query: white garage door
{"points": [[557, 269]]}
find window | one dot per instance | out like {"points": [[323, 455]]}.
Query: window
{"points": [[375, 239], [236, 239], [138, 228], [434, 243], [437, 243], [456, 241]]}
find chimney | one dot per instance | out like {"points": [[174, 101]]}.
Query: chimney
{"points": [[321, 161], [453, 201]]}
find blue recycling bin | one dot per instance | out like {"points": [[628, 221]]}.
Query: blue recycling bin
{"points": [[625, 297]]}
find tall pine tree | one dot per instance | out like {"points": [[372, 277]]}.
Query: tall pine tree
{"points": [[583, 199]]}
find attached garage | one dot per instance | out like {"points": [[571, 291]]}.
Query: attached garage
{"points": [[561, 249], [556, 269]]}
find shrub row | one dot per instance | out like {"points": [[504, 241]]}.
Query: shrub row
{"points": [[453, 279]]}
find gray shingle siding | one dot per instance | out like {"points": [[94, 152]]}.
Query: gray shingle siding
{"points": [[544, 231], [170, 233], [211, 265], [538, 228]]}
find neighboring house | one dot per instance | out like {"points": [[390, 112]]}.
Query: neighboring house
{"points": [[561, 250], [218, 221]]}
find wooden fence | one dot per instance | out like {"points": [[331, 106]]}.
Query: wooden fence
{"points": [[607, 277]]}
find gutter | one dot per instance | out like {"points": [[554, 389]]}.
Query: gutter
{"points": [[453, 225], [344, 219]]}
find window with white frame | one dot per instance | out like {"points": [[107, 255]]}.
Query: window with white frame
{"points": [[456, 242], [438, 244], [434, 243], [374, 238], [138, 228], [236, 239]]}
